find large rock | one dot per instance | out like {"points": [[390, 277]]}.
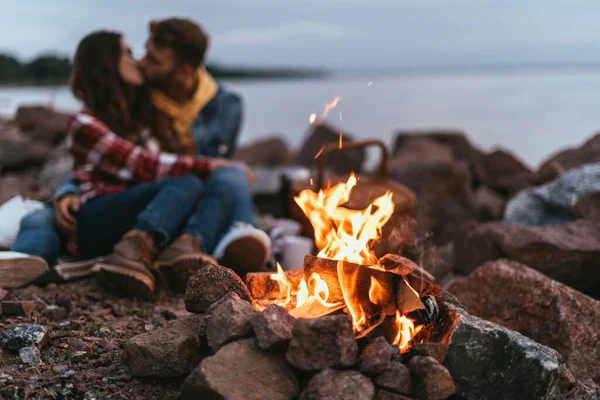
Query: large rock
{"points": [[239, 371], [568, 253], [331, 384], [488, 361], [503, 172], [167, 352], [342, 162], [24, 335], [589, 152], [210, 284], [522, 299], [322, 343], [269, 152], [18, 155], [395, 378], [430, 379], [44, 123], [376, 356], [588, 207], [230, 320], [490, 205], [273, 328]]}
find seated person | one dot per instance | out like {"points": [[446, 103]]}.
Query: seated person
{"points": [[174, 51]]}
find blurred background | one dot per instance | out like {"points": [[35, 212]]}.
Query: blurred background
{"points": [[522, 75]]}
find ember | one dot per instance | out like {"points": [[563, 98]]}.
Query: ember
{"points": [[346, 273]]}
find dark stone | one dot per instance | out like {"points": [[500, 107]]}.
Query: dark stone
{"points": [[239, 371], [229, 321], [431, 349], [430, 379], [385, 395], [24, 335], [489, 361], [439, 260], [269, 152], [322, 343], [503, 172], [273, 328], [376, 356], [522, 299], [588, 207], [56, 313], [54, 170], [395, 378], [568, 253], [331, 384], [490, 205], [166, 352], [18, 155], [342, 162], [210, 284], [64, 300], [21, 308], [31, 117]]}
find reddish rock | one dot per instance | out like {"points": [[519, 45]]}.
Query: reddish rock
{"points": [[588, 207], [273, 328], [56, 313], [490, 205], [21, 308], [239, 371], [210, 284], [331, 384], [522, 299], [430, 379], [230, 320], [3, 294], [376, 356], [568, 253], [395, 378], [322, 343], [385, 395], [267, 152], [30, 117], [503, 172], [342, 162], [432, 349]]}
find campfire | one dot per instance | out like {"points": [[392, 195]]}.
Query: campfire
{"points": [[346, 276]]}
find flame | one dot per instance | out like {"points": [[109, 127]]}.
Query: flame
{"points": [[284, 287], [312, 118], [406, 331], [331, 106], [376, 292]]}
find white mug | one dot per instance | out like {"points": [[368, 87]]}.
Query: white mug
{"points": [[294, 250]]}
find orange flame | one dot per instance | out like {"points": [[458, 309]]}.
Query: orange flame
{"points": [[312, 118], [284, 287], [406, 331]]}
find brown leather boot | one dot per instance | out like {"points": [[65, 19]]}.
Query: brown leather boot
{"points": [[127, 269], [180, 260]]}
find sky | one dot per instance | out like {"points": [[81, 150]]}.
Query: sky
{"points": [[337, 34]]}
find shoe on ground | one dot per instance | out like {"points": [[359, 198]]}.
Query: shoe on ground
{"points": [[19, 269], [244, 249]]}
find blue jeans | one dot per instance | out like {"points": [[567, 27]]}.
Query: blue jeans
{"points": [[167, 208], [38, 236]]}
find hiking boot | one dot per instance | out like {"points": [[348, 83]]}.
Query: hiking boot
{"points": [[244, 249], [180, 260], [127, 269], [18, 269]]}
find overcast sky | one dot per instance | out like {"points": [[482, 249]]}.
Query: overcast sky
{"points": [[329, 33]]}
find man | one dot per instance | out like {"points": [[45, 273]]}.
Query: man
{"points": [[205, 119]]}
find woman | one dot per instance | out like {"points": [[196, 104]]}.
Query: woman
{"points": [[134, 200]]}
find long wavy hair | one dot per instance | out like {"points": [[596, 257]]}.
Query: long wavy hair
{"points": [[96, 81]]}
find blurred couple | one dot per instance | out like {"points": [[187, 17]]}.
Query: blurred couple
{"points": [[152, 190]]}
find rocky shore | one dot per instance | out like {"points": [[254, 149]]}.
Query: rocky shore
{"points": [[523, 293]]}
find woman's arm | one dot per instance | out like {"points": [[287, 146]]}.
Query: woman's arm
{"points": [[93, 143]]}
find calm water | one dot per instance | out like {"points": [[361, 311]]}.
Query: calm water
{"points": [[533, 114]]}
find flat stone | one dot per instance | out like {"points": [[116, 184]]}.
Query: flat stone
{"points": [[522, 299], [332, 384], [24, 335], [375, 357], [167, 352], [21, 308], [273, 328], [240, 371], [229, 321], [395, 378], [431, 380], [322, 343], [489, 361], [30, 355], [210, 284]]}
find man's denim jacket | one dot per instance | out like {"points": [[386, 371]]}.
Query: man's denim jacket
{"points": [[215, 132]]}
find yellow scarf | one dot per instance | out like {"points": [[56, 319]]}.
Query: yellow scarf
{"points": [[183, 115]]}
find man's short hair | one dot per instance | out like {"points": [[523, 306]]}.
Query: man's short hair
{"points": [[187, 39]]}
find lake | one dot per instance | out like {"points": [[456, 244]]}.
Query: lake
{"points": [[531, 113]]}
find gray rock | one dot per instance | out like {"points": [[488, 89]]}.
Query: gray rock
{"points": [[489, 361], [229, 321], [239, 371], [395, 378], [167, 352], [273, 328], [375, 357], [430, 379], [331, 384], [322, 343], [30, 355], [25, 335]]}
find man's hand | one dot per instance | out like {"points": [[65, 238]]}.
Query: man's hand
{"points": [[217, 163], [65, 213]]}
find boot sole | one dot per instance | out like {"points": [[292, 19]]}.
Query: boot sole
{"points": [[245, 254], [17, 272], [176, 271], [124, 280]]}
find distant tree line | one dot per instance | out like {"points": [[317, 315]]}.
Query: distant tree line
{"points": [[50, 69]]}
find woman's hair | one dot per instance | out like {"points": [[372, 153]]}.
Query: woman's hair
{"points": [[96, 81]]}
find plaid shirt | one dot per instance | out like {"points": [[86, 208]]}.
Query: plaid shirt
{"points": [[105, 163]]}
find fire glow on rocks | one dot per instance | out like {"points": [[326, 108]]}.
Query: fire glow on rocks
{"points": [[347, 237]]}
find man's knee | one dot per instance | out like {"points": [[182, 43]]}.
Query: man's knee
{"points": [[231, 178], [42, 218]]}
